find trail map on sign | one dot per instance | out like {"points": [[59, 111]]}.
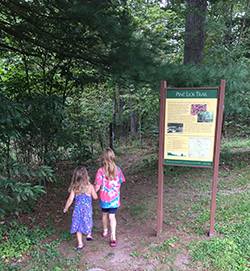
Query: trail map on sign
{"points": [[200, 147], [190, 124]]}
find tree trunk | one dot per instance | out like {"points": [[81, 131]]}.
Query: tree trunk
{"points": [[243, 23], [121, 104], [140, 126], [229, 23], [114, 111], [195, 32], [132, 117]]}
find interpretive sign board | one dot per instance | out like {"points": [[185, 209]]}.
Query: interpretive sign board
{"points": [[190, 135], [190, 124]]}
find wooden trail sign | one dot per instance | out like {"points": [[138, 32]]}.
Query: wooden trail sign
{"points": [[190, 135]]}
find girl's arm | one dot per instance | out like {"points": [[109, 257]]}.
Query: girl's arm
{"points": [[69, 201], [93, 193], [97, 187], [98, 180]]}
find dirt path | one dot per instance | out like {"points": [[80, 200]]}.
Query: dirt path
{"points": [[132, 235], [136, 222]]}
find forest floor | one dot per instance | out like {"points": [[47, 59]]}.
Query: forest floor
{"points": [[138, 246]]}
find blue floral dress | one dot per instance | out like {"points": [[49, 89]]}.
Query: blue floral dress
{"points": [[82, 214]]}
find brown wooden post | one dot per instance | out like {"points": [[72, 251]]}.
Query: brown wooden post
{"points": [[161, 157], [217, 154]]}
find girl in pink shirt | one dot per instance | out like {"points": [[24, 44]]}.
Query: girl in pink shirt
{"points": [[108, 179]]}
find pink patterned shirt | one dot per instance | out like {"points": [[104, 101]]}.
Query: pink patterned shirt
{"points": [[109, 194]]}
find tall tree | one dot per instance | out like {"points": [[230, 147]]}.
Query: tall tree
{"points": [[195, 37]]}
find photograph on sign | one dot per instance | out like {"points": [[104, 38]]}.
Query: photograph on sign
{"points": [[196, 108], [175, 128], [190, 117]]}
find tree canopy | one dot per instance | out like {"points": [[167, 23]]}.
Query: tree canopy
{"points": [[98, 35], [69, 68]]}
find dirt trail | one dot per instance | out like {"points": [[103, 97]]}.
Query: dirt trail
{"points": [[136, 222], [130, 233]]}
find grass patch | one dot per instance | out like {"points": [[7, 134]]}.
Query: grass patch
{"points": [[229, 251], [17, 241], [236, 142]]}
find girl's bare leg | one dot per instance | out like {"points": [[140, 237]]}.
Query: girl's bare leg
{"points": [[105, 220], [105, 223], [112, 219], [79, 238]]}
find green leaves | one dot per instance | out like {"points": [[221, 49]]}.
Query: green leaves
{"points": [[83, 30], [229, 252], [23, 183], [17, 239], [12, 116]]}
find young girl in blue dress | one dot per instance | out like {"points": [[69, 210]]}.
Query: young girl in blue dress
{"points": [[82, 191]]}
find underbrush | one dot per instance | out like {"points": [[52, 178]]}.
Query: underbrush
{"points": [[18, 242]]}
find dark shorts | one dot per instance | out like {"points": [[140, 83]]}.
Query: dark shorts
{"points": [[109, 210]]}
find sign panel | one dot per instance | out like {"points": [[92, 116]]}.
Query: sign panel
{"points": [[190, 124]]}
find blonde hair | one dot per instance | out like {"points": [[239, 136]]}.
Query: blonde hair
{"points": [[108, 163], [80, 180]]}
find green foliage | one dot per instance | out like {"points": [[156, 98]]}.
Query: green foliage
{"points": [[43, 132], [17, 239], [229, 252], [166, 246], [12, 116], [145, 107], [227, 33], [21, 186], [88, 120], [18, 242], [234, 152], [85, 25], [162, 29], [137, 210]]}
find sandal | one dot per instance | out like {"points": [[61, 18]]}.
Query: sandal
{"points": [[89, 237], [79, 247], [113, 243], [105, 235]]}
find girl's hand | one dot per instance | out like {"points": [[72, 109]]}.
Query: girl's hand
{"points": [[93, 193], [97, 187], [69, 201]]}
